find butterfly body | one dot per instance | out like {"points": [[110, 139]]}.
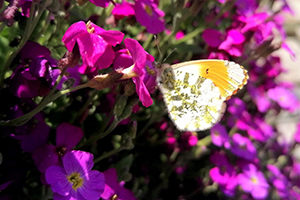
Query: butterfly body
{"points": [[195, 91]]}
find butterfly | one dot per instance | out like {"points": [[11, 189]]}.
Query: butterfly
{"points": [[194, 91]]}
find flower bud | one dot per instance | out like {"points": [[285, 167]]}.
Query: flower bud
{"points": [[126, 113], [105, 80], [132, 129], [120, 105], [129, 88], [127, 142]]}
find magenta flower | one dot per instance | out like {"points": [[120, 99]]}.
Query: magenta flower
{"points": [[285, 98], [260, 98], [101, 3], [297, 134], [67, 136], [233, 43], [188, 140], [76, 180], [35, 76], [32, 134], [260, 130], [148, 15], [94, 43], [142, 71], [219, 136], [223, 174], [212, 37], [254, 182], [279, 181], [113, 189], [253, 22], [243, 147], [124, 9]]}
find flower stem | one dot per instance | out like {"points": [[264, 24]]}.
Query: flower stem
{"points": [[30, 26], [83, 108], [25, 118], [105, 155]]}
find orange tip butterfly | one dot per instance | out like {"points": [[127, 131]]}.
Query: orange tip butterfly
{"points": [[195, 91]]}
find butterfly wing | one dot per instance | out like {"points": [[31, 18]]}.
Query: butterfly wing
{"points": [[194, 91]]}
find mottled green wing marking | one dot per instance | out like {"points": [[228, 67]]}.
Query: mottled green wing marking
{"points": [[194, 103]]}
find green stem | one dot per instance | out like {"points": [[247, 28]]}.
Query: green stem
{"points": [[190, 35], [25, 118], [204, 141], [99, 136], [148, 41], [105, 155], [30, 26], [83, 108], [2, 26]]}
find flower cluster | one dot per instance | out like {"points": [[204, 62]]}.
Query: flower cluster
{"points": [[82, 118]]}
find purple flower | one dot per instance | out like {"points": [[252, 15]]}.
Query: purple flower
{"points": [[297, 134], [219, 136], [254, 182], [285, 98], [76, 180], [253, 22], [148, 15], [224, 172], [260, 97], [279, 181], [188, 140], [32, 134], [4, 185], [124, 9], [233, 43], [101, 3], [35, 76], [212, 37], [113, 189], [260, 130], [67, 136], [94, 43], [142, 71], [243, 147]]}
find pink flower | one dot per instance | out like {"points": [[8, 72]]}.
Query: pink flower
{"points": [[254, 182], [243, 147], [94, 43], [148, 15], [285, 98], [142, 72], [297, 134], [113, 189], [219, 136], [233, 43], [101, 3], [124, 9], [67, 137], [212, 37]]}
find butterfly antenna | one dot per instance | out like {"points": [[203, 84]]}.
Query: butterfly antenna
{"points": [[156, 43], [169, 54]]}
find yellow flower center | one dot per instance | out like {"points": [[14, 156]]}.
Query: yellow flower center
{"points": [[76, 180], [115, 197], [89, 27], [254, 180], [149, 10]]}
